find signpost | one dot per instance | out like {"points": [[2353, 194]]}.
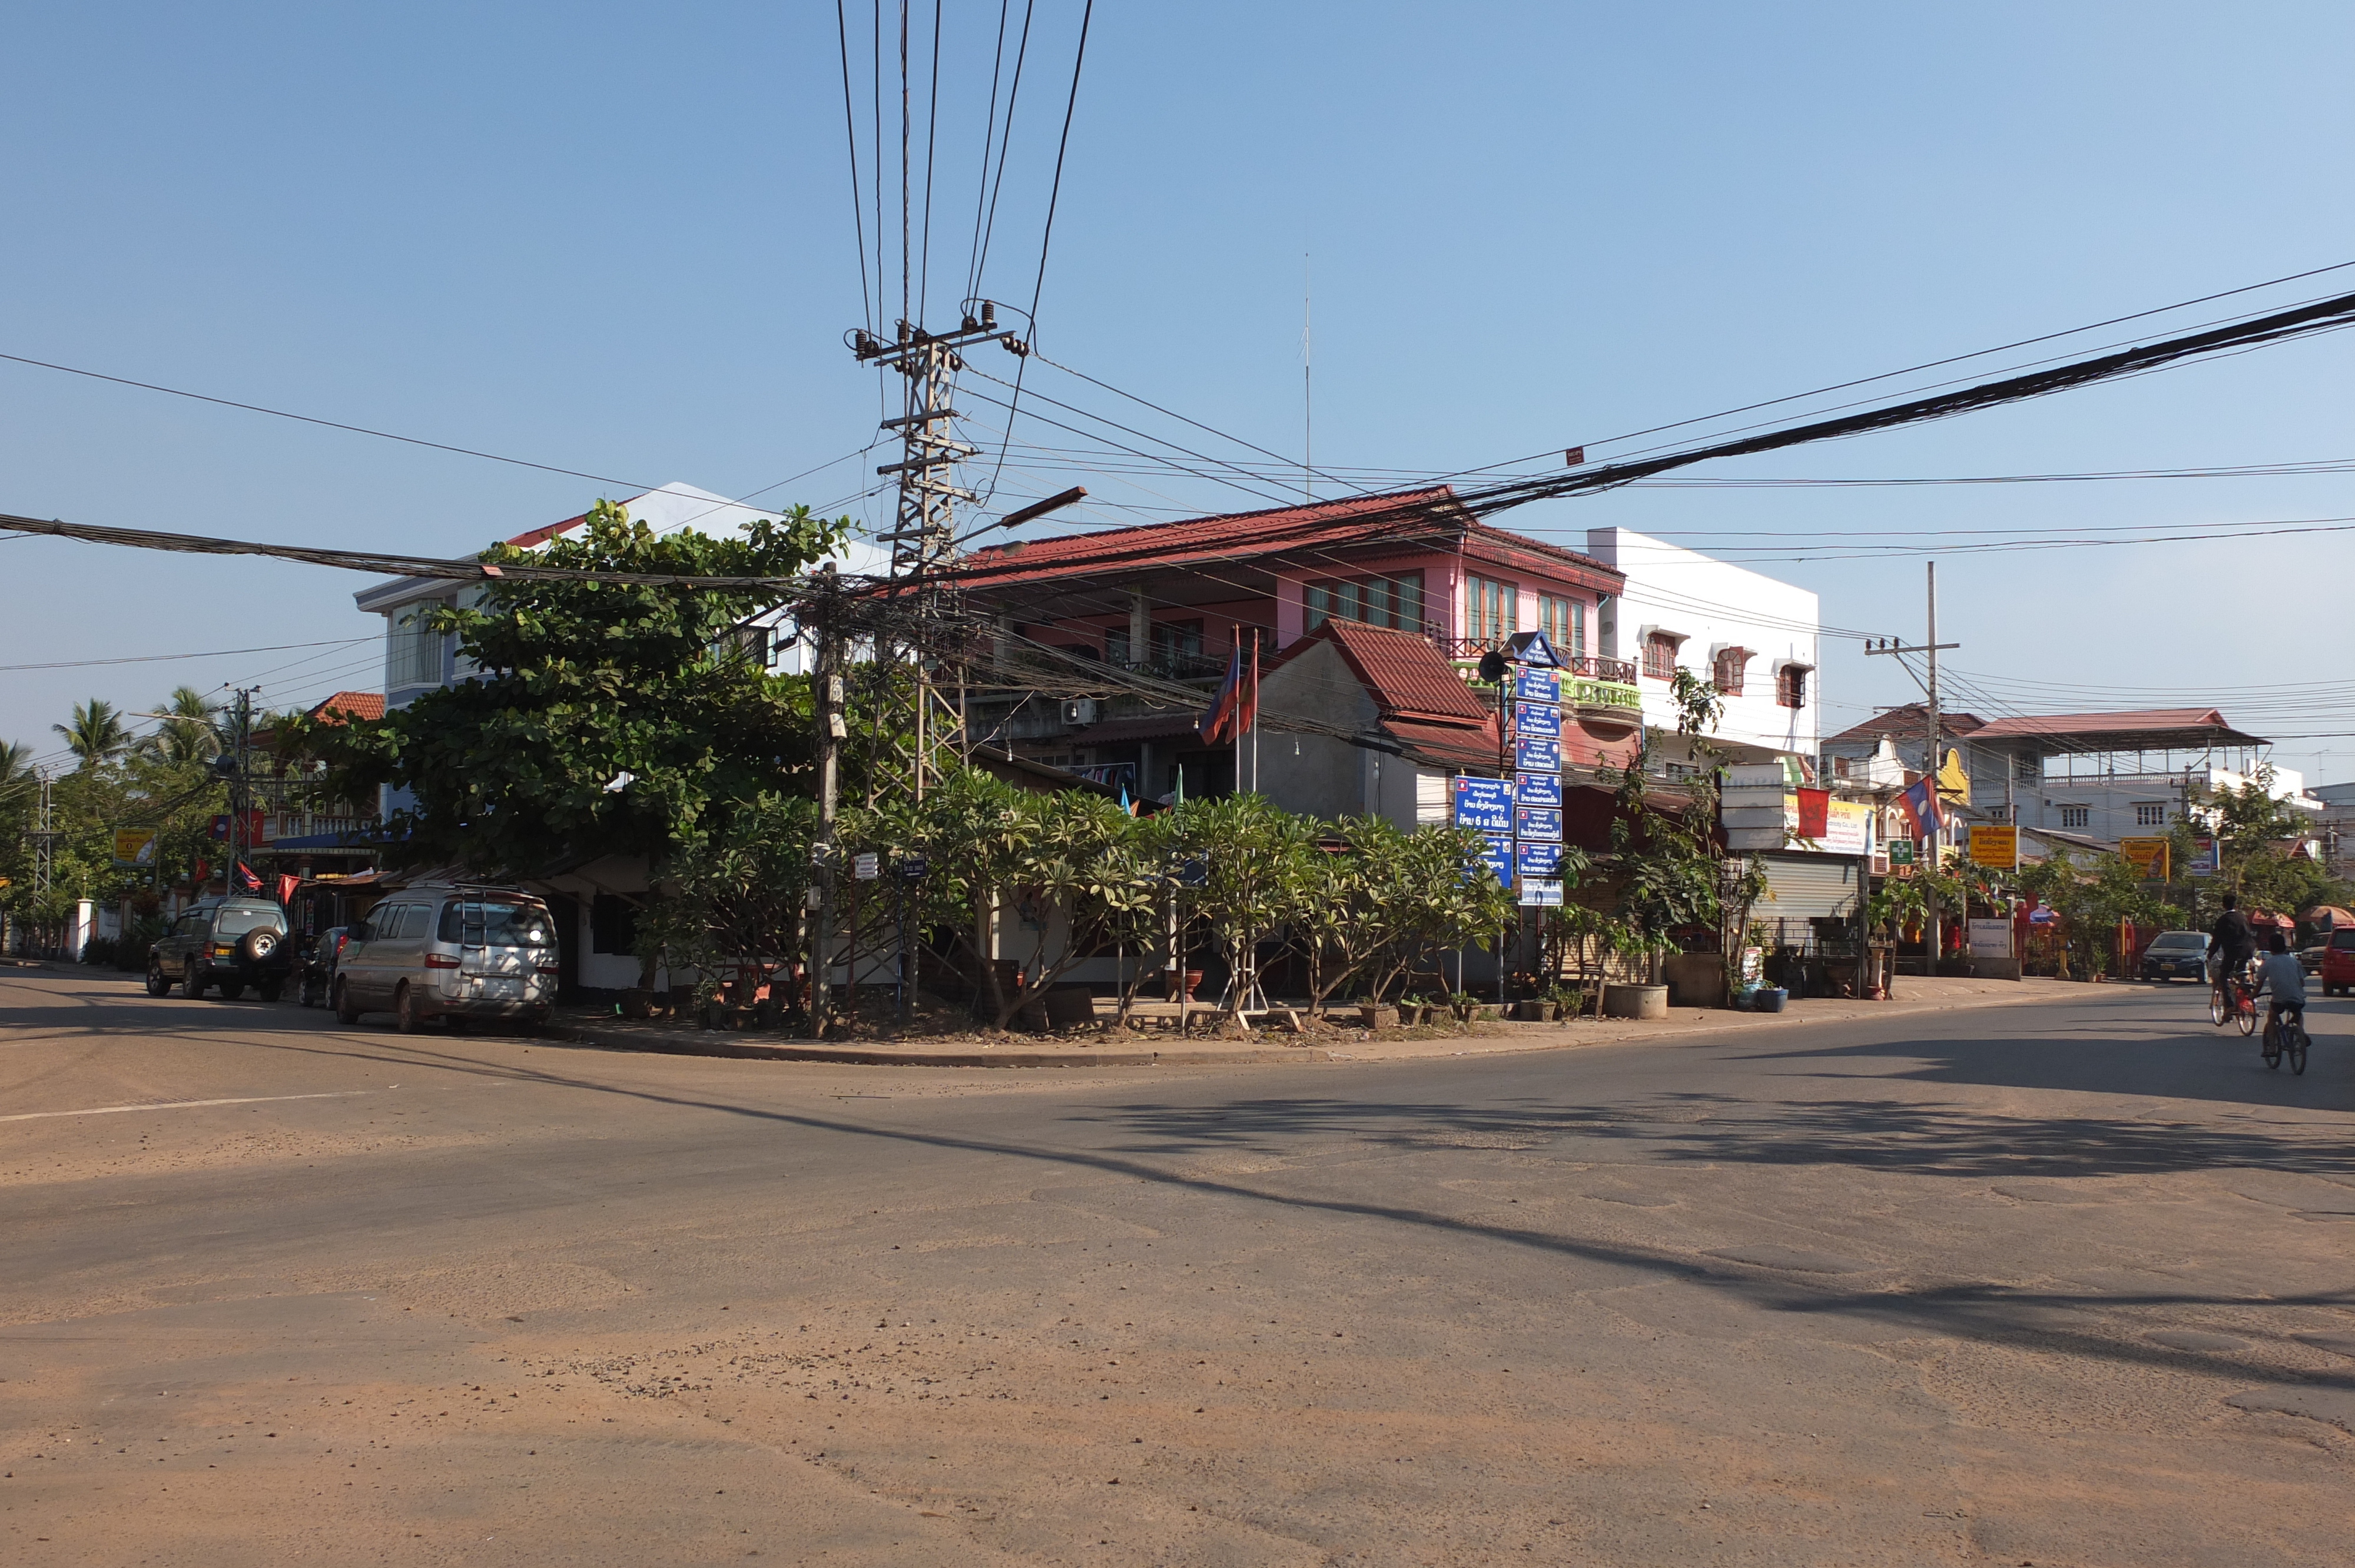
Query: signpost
{"points": [[135, 846], [1483, 804], [1900, 852]]}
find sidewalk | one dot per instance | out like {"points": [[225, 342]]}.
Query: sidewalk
{"points": [[1333, 1042]]}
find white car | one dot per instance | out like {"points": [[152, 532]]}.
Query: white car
{"points": [[453, 952]]}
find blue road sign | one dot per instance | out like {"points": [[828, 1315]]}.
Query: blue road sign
{"points": [[1536, 718], [1539, 822], [1484, 803], [1537, 790], [1536, 686], [1537, 753], [1496, 857], [1540, 860]]}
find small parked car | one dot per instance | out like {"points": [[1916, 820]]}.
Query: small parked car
{"points": [[318, 967], [2339, 962], [452, 951], [226, 944], [2176, 955], [2309, 958]]}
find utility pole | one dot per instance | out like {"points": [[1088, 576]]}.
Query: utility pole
{"points": [[826, 634], [927, 729], [1931, 845]]}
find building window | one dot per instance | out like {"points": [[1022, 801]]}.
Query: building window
{"points": [[1563, 622], [1660, 655], [613, 924], [1392, 601], [1791, 686], [1727, 670], [413, 649], [2076, 816], [1176, 639], [2150, 815], [1495, 608]]}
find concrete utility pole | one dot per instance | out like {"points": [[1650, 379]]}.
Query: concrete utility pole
{"points": [[825, 632], [1890, 646]]}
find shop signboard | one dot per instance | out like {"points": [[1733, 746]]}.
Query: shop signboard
{"points": [[135, 846], [866, 867], [2148, 857], [1536, 718], [1536, 789], [1996, 847], [1543, 822], [1900, 851], [2203, 858], [1486, 804], [1991, 938], [1537, 753]]}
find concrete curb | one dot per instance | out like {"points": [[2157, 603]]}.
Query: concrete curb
{"points": [[721, 1046]]}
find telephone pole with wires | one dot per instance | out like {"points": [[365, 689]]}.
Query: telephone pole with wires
{"points": [[924, 720], [1931, 766]]}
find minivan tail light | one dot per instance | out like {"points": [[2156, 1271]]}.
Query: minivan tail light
{"points": [[440, 961]]}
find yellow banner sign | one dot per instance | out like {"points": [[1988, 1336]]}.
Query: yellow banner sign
{"points": [[2149, 857], [135, 846], [1995, 846]]}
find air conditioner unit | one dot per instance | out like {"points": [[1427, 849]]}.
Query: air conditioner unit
{"points": [[1080, 711]]}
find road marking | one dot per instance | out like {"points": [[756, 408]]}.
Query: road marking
{"points": [[185, 1105]]}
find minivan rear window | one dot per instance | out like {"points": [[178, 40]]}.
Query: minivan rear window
{"points": [[2344, 941], [492, 924]]}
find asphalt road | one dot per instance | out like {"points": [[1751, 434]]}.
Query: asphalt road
{"points": [[2054, 1284]]}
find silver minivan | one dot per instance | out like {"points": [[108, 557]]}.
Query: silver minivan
{"points": [[452, 951]]}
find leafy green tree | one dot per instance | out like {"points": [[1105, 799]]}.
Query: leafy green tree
{"points": [[620, 718], [2091, 895], [1254, 861], [1440, 896], [2257, 837], [733, 897]]}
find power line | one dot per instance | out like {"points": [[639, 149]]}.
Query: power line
{"points": [[165, 658]]}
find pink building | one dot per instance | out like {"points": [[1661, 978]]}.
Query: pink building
{"points": [[1172, 599]]}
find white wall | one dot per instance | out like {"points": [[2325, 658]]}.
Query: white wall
{"points": [[1712, 604]]}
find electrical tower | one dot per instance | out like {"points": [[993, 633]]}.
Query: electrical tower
{"points": [[921, 719]]}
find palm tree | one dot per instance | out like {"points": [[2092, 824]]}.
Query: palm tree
{"points": [[16, 762], [97, 734], [190, 731]]}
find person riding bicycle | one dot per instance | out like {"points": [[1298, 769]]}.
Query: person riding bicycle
{"points": [[2232, 943], [2283, 979]]}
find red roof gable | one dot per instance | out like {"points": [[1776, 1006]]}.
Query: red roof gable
{"points": [[1910, 721], [345, 706], [1401, 671], [1400, 518]]}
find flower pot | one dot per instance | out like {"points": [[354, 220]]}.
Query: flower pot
{"points": [[1768, 1000], [1635, 1001], [1370, 1014], [1529, 1011]]}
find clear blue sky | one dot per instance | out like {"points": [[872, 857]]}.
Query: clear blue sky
{"points": [[616, 238]]}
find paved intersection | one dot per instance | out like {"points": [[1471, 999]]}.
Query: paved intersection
{"points": [[2062, 1284]]}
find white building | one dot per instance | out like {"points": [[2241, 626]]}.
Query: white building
{"points": [[1756, 638], [418, 659]]}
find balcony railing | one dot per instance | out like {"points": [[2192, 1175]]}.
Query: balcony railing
{"points": [[1466, 649]]}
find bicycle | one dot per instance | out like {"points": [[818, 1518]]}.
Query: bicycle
{"points": [[2232, 1001], [2285, 1036]]}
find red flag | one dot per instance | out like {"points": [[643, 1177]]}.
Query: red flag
{"points": [[1247, 717], [1218, 721], [286, 887], [204, 873], [1814, 814]]}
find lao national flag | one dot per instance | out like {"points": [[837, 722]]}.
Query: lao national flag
{"points": [[1218, 722], [1920, 803], [246, 879]]}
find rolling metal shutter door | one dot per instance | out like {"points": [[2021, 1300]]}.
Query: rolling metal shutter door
{"points": [[1808, 888]]}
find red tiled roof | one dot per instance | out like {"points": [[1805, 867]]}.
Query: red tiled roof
{"points": [[1460, 745], [1401, 671], [525, 541], [2134, 721], [345, 706], [1407, 516]]}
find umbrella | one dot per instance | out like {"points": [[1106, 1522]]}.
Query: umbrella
{"points": [[2329, 916]]}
